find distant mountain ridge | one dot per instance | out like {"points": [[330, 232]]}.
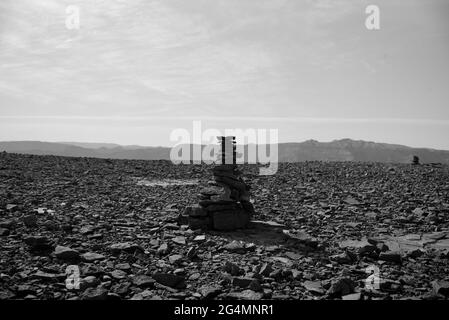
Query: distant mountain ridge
{"points": [[310, 150]]}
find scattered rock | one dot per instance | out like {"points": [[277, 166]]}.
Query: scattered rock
{"points": [[92, 256], [441, 287], [143, 281], [125, 247], [232, 268], [314, 287], [210, 292], [169, 280], [98, 293], [66, 253], [341, 287], [390, 256], [245, 295]]}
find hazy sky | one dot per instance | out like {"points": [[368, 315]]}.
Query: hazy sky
{"points": [[137, 69]]}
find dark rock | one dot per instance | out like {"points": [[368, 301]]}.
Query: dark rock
{"points": [[169, 280], [232, 268], [121, 288], [230, 220], [242, 282], [265, 269], [39, 243], [98, 293], [390, 256], [341, 287], [143, 281], [89, 282]]}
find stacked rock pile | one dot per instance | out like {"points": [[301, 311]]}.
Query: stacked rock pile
{"points": [[224, 205]]}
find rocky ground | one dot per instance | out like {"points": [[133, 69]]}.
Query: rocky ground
{"points": [[116, 221]]}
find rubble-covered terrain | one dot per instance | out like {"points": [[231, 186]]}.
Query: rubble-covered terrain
{"points": [[84, 228]]}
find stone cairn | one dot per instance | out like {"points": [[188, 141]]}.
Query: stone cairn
{"points": [[225, 204], [415, 160]]}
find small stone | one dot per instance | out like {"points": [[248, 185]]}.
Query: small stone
{"points": [[89, 282], [341, 287], [144, 295], [163, 249], [363, 247], [266, 269], [179, 240], [48, 276], [237, 246], [200, 238], [352, 296], [126, 247], [210, 292], [118, 274], [415, 253], [174, 259], [390, 256], [242, 282], [192, 253], [123, 266], [169, 280], [314, 287], [121, 288], [66, 253], [98, 293], [92, 256], [87, 230], [194, 276], [143, 281], [232, 268], [343, 258], [245, 295]]}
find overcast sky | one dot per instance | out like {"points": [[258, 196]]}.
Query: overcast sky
{"points": [[137, 69]]}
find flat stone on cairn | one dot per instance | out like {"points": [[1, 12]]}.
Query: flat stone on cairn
{"points": [[225, 205]]}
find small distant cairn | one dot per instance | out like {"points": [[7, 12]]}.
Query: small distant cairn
{"points": [[415, 161], [224, 205]]}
